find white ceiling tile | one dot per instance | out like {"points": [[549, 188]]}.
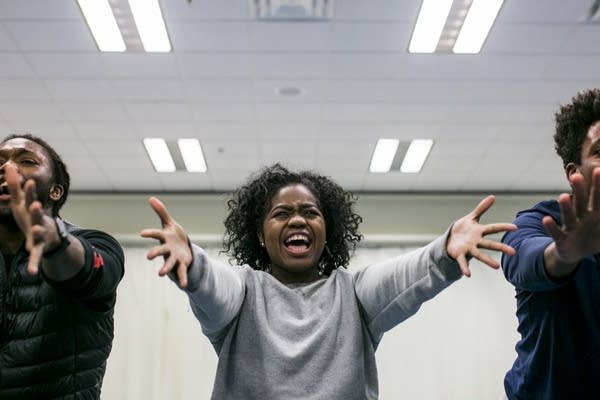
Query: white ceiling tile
{"points": [[220, 91], [353, 150], [224, 112], [68, 148], [6, 42], [39, 9], [159, 111], [98, 131], [167, 130], [22, 89], [118, 147], [394, 181], [375, 10], [81, 90], [287, 37], [49, 131], [310, 90], [295, 153], [274, 130], [205, 10], [290, 147], [14, 65], [344, 130], [361, 66], [469, 91], [215, 65], [288, 112], [570, 66], [527, 38], [550, 11], [151, 90], [370, 36], [57, 35], [224, 150], [365, 90], [209, 36], [140, 65], [231, 132], [343, 162], [527, 134], [113, 163], [291, 65], [93, 112], [583, 39], [67, 65], [30, 112], [494, 108], [447, 163]]}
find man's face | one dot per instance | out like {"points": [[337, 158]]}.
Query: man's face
{"points": [[32, 162]]}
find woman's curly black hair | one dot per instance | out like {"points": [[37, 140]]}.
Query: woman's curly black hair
{"points": [[249, 204], [573, 122]]}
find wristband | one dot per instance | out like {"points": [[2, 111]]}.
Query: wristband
{"points": [[61, 229]]}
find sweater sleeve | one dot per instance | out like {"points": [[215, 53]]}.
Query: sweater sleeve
{"points": [[526, 269], [216, 292], [391, 291]]}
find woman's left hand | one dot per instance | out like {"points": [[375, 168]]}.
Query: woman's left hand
{"points": [[467, 237]]}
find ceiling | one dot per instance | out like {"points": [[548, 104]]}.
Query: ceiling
{"points": [[491, 114]]}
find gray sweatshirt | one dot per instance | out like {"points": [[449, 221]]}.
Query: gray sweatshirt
{"points": [[309, 341]]}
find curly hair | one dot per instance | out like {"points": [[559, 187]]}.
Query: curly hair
{"points": [[249, 204], [59, 169], [573, 122]]}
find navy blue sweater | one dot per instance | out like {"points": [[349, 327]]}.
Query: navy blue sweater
{"points": [[558, 356]]}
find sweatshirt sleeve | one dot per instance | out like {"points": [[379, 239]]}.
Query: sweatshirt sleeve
{"points": [[526, 269], [391, 291], [216, 292]]}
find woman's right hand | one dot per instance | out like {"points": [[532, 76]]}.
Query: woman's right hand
{"points": [[174, 244]]}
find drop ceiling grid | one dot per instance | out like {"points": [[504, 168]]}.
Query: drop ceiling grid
{"points": [[219, 84]]}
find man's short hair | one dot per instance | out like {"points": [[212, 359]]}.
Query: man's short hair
{"points": [[59, 169], [573, 122]]}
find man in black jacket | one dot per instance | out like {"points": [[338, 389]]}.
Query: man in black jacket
{"points": [[57, 282]]}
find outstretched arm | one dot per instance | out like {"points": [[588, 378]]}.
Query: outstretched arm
{"points": [[216, 291], [174, 244], [467, 237], [579, 235]]}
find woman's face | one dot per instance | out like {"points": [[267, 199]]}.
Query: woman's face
{"points": [[293, 233]]}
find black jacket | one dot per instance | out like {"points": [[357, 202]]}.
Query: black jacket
{"points": [[55, 337]]}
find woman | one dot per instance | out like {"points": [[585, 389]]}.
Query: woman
{"points": [[289, 323]]}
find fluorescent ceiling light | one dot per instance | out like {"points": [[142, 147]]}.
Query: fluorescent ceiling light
{"points": [[477, 25], [416, 155], [383, 156], [159, 154], [102, 24], [191, 152], [150, 24], [429, 26]]}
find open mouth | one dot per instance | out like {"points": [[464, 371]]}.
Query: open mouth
{"points": [[297, 243], [4, 194]]}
